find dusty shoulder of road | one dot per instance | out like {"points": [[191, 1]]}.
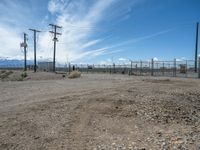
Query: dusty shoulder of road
{"points": [[99, 111]]}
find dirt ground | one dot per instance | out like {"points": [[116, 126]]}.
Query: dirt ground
{"points": [[100, 112]]}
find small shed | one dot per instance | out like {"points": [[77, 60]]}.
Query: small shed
{"points": [[45, 66]]}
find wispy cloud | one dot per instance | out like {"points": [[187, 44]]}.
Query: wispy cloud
{"points": [[80, 20], [10, 42], [118, 61], [56, 6], [139, 39], [76, 42], [91, 43]]}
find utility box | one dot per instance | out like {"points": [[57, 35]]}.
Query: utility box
{"points": [[183, 68], [45, 66]]}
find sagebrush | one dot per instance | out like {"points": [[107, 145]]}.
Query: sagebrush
{"points": [[74, 74]]}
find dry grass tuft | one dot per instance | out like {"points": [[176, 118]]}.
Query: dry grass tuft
{"points": [[4, 74], [74, 74]]}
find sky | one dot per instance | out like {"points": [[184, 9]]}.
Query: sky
{"points": [[100, 31]]}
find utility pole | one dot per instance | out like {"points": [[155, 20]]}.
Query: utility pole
{"points": [[35, 32], [24, 44], [55, 39], [196, 47]]}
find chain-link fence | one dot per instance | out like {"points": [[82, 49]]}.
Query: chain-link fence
{"points": [[173, 68]]}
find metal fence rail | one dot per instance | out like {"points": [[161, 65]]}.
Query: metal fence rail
{"points": [[176, 68], [173, 68]]}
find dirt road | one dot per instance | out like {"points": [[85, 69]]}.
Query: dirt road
{"points": [[100, 112]]}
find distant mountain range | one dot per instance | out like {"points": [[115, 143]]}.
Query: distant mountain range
{"points": [[4, 63], [14, 63]]}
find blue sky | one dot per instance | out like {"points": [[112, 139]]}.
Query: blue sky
{"points": [[101, 31]]}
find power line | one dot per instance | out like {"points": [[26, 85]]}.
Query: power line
{"points": [[35, 32], [55, 39]]}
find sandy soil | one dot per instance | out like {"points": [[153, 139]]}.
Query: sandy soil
{"points": [[100, 112]]}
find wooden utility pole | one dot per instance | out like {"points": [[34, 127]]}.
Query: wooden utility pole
{"points": [[55, 39], [35, 63], [24, 45], [196, 47]]}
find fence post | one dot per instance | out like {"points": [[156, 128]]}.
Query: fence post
{"points": [[131, 67], [113, 68], [149, 67], [175, 67], [87, 68], [157, 69], [69, 68], [163, 69], [152, 67], [199, 69], [136, 69], [124, 70], [140, 67], [186, 70]]}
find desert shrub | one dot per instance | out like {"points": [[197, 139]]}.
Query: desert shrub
{"points": [[74, 74], [3, 71], [10, 72], [24, 75], [5, 74], [18, 79]]}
